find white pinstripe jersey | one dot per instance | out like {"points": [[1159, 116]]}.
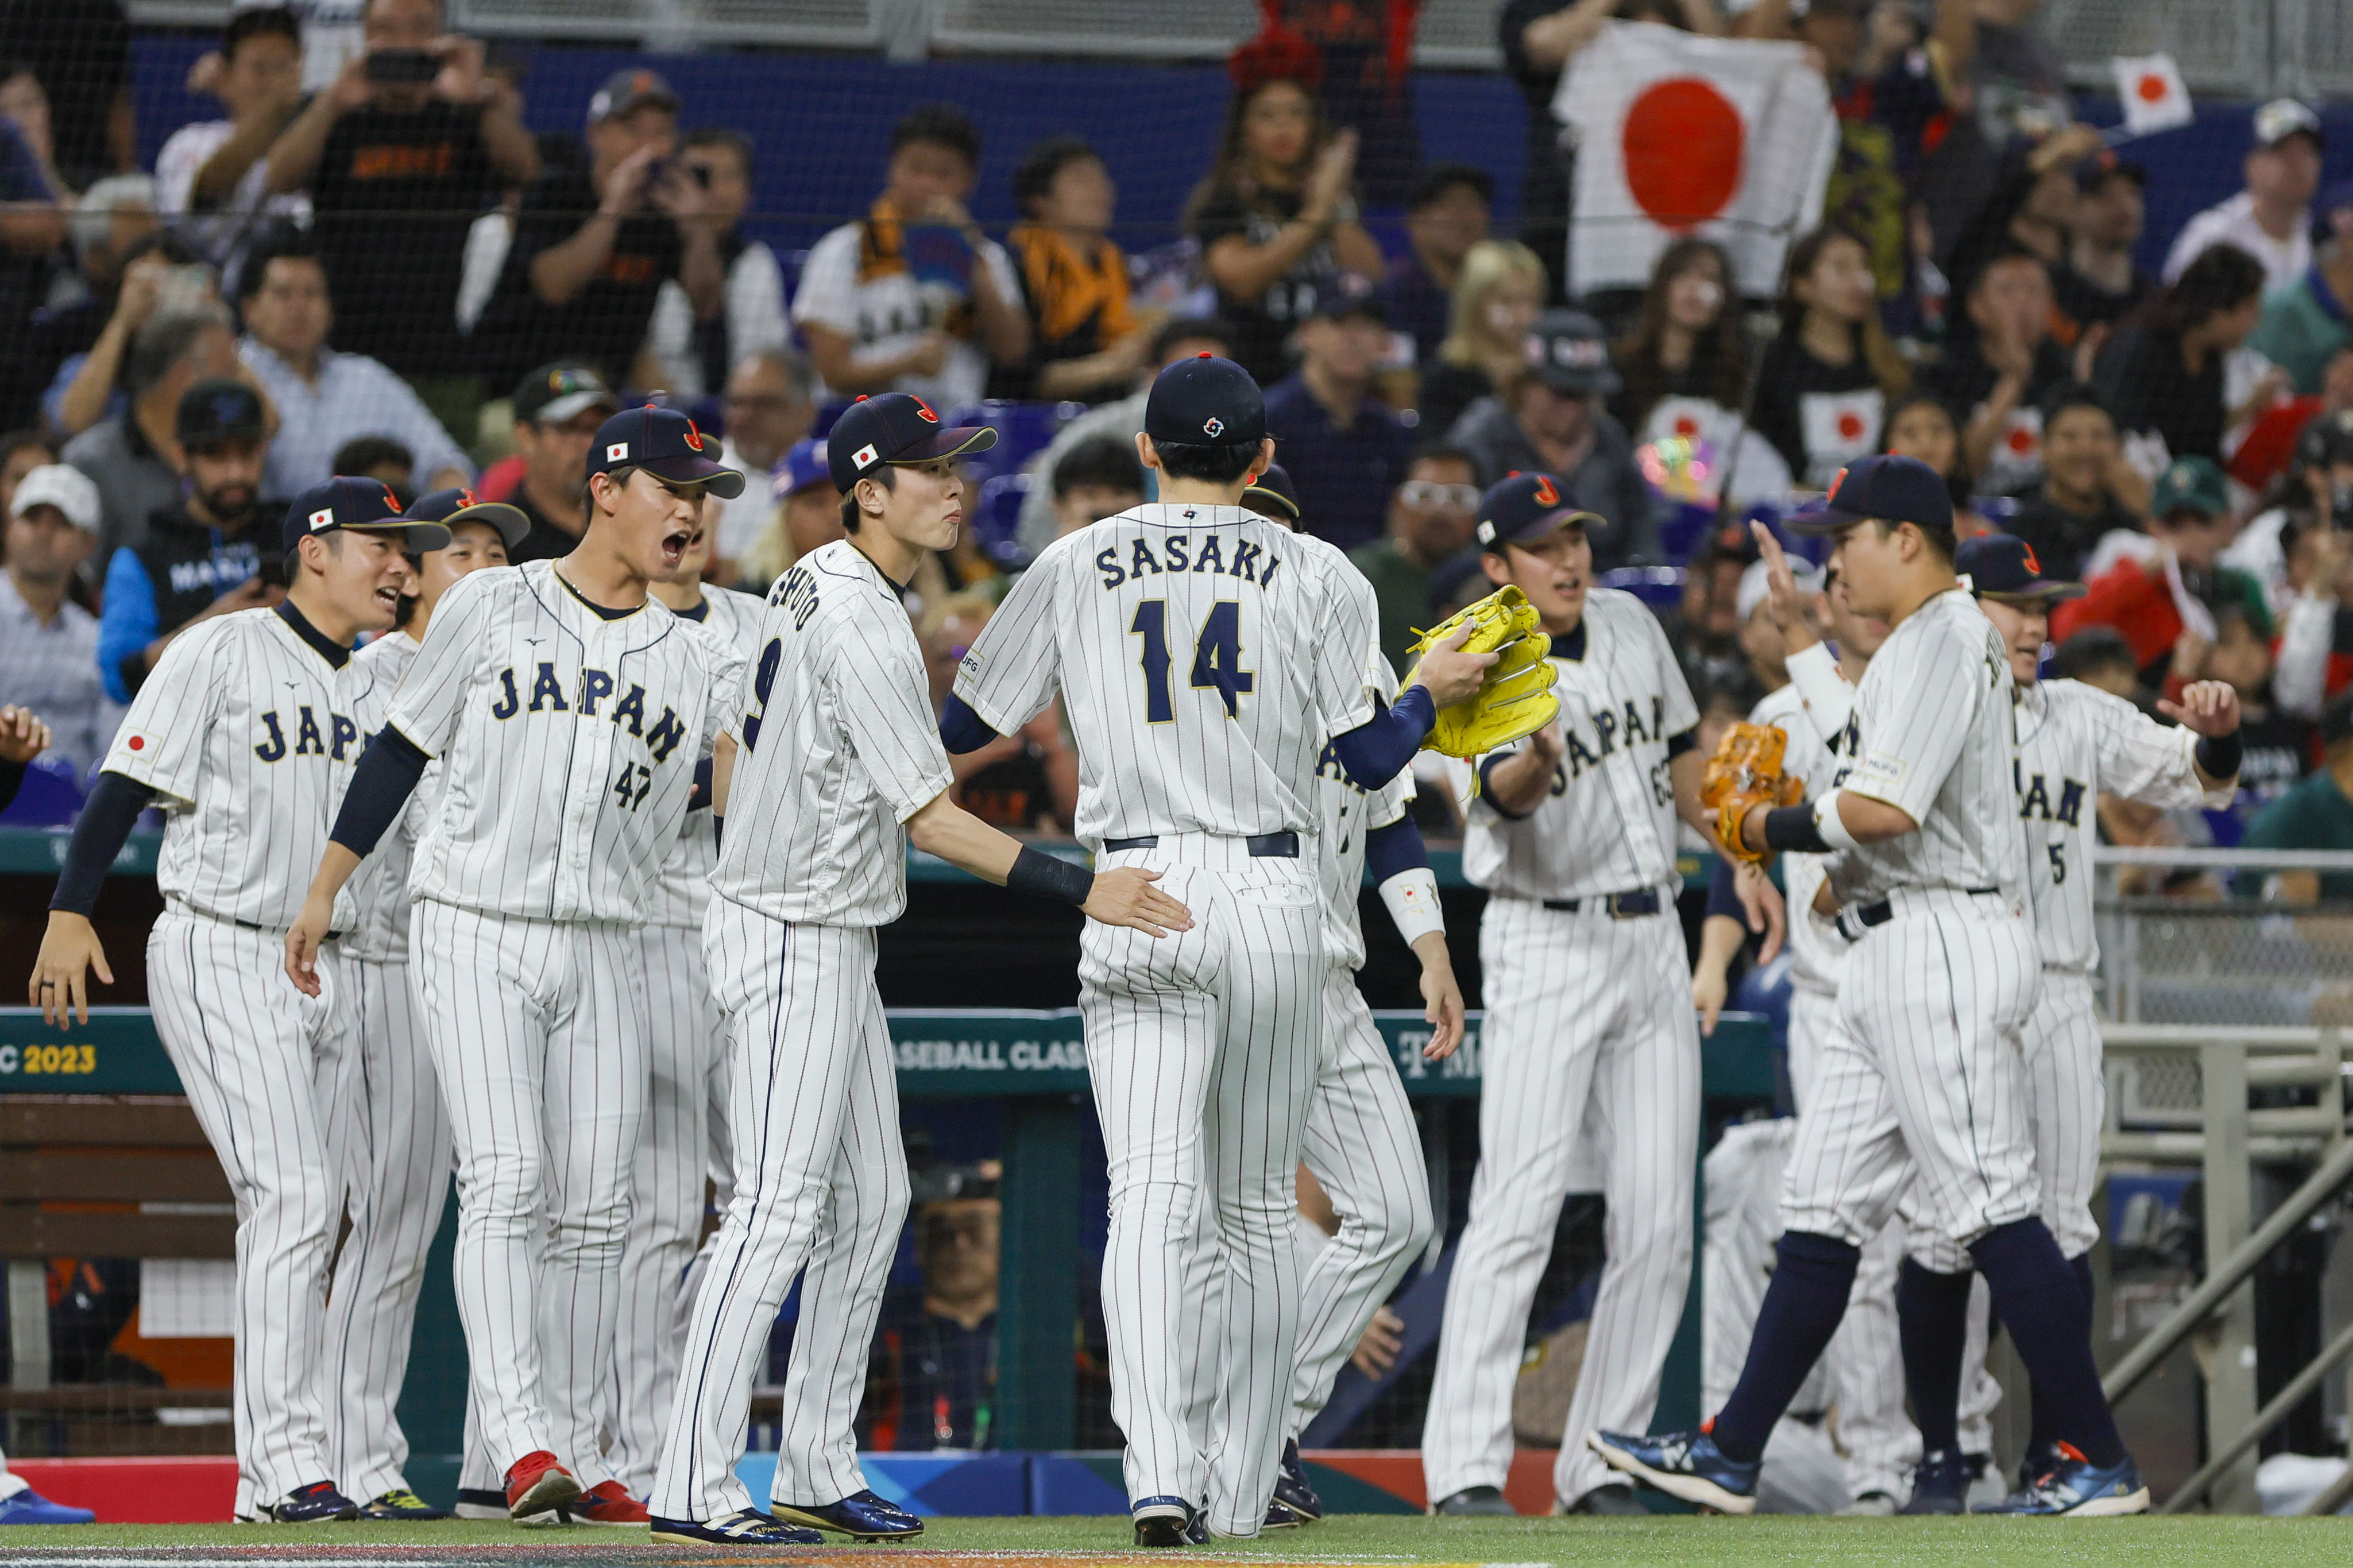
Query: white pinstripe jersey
{"points": [[1936, 714], [1817, 954], [1206, 655], [683, 891], [839, 747], [568, 744], [1609, 825], [2075, 741], [249, 736], [379, 927], [1347, 814]]}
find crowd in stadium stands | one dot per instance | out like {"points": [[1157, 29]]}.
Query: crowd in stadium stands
{"points": [[386, 272]]}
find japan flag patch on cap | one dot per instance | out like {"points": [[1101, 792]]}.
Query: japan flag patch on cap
{"points": [[866, 457], [616, 451], [323, 518]]}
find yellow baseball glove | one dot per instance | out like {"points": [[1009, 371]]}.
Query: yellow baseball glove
{"points": [[1516, 696], [1745, 773]]}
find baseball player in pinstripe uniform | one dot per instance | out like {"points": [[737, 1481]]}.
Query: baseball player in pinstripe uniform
{"points": [[1207, 656], [2075, 743], [1921, 1082], [247, 735], [395, 1136], [840, 767], [1589, 1012], [685, 1136], [569, 709]]}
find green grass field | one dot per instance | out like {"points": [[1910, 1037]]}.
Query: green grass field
{"points": [[1666, 1541]]}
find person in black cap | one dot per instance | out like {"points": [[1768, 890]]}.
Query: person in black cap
{"points": [[1553, 421], [245, 732], [1209, 656], [558, 408], [577, 712], [1921, 1086], [1345, 450], [201, 558]]}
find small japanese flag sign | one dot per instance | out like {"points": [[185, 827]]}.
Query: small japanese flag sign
{"points": [[322, 518], [2151, 90], [616, 451], [866, 457]]}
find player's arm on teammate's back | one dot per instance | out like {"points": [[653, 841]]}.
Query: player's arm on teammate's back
{"points": [[156, 753], [1122, 897]]}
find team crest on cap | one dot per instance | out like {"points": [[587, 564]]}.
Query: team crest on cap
{"points": [[2034, 566], [1836, 479], [616, 451], [693, 436], [323, 518], [924, 412], [865, 456], [1213, 426], [1545, 494]]}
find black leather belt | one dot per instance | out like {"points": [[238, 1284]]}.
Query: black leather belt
{"points": [[1618, 906], [1880, 913], [1264, 846], [248, 925]]}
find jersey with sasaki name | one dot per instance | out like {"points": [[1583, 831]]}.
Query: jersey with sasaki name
{"points": [[1939, 740], [1348, 814], [2074, 742], [1206, 655], [249, 730], [683, 889], [838, 747], [1817, 952], [568, 739], [1607, 824]]}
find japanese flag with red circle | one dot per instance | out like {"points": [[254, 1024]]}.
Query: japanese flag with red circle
{"points": [[1840, 427], [2153, 96], [1677, 134], [2016, 460]]}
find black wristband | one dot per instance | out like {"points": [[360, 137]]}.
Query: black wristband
{"points": [[1793, 827], [2219, 754], [1035, 871]]}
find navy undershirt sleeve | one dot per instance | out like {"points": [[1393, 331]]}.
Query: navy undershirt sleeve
{"points": [[381, 785], [114, 805], [1722, 897], [961, 729], [1377, 750], [1395, 848]]}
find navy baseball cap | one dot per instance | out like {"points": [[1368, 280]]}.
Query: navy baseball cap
{"points": [[451, 507], [896, 428], [2002, 566], [664, 443], [1273, 494], [1889, 487], [802, 466], [1205, 400], [363, 504], [1523, 508], [216, 411]]}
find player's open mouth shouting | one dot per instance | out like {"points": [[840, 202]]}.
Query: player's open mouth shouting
{"points": [[678, 543]]}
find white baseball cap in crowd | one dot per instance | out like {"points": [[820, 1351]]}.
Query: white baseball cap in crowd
{"points": [[1754, 590], [63, 487]]}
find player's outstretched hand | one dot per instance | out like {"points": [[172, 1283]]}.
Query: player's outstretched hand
{"points": [[2207, 708], [22, 737], [1781, 589], [311, 928], [1125, 896], [1442, 1000], [1449, 673], [61, 983], [1762, 901]]}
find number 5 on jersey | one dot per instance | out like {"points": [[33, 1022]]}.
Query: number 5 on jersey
{"points": [[1217, 658]]}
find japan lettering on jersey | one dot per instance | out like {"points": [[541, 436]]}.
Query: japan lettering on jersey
{"points": [[2075, 743], [1206, 654], [839, 747], [1347, 814], [1608, 825], [731, 620], [249, 735], [1939, 740], [569, 742], [1817, 952]]}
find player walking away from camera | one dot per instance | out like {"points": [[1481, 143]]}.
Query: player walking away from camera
{"points": [[1921, 1082], [248, 733], [568, 709], [1208, 657], [1361, 1142], [1572, 833], [841, 768], [395, 1137], [2075, 742], [685, 1135]]}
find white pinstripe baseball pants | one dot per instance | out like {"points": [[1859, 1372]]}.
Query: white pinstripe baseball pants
{"points": [[538, 1034], [685, 1102], [398, 1151], [820, 1181], [1589, 1023], [259, 1060], [1203, 1048]]}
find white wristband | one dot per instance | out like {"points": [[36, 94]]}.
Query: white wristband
{"points": [[1827, 693], [1830, 826], [1412, 898]]}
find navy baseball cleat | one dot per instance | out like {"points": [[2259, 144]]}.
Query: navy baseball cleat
{"points": [[482, 1502], [1279, 1516], [2074, 1488], [1168, 1521], [1687, 1465], [1475, 1502], [744, 1528], [29, 1507], [400, 1503], [1940, 1483], [861, 1516], [1291, 1490], [309, 1505]]}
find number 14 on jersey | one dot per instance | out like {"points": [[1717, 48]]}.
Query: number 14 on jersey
{"points": [[1217, 658]]}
